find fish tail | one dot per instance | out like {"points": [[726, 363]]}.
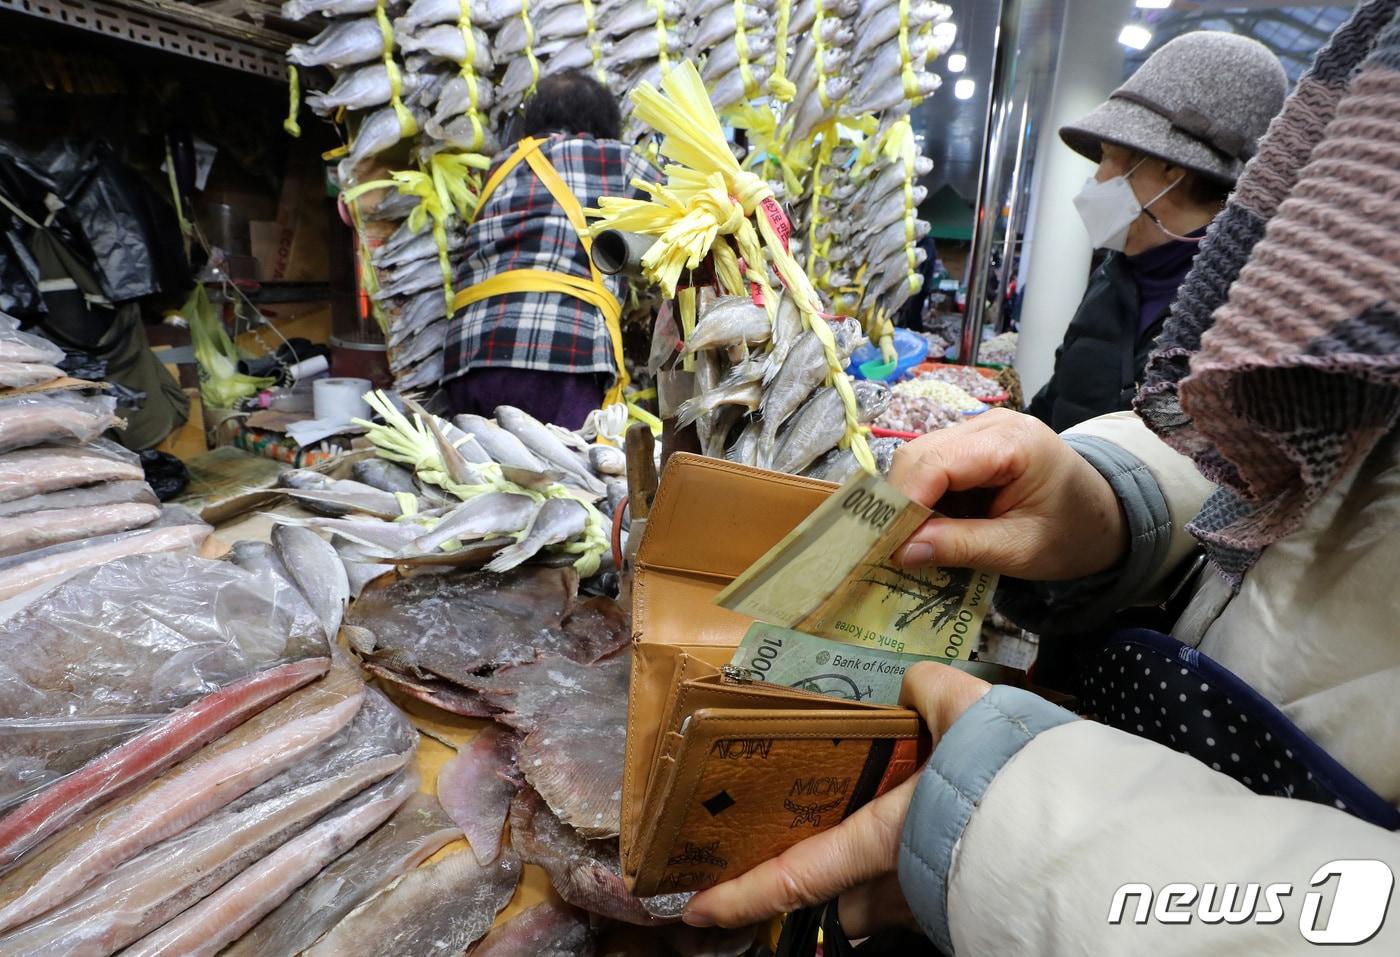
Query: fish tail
{"points": [[510, 557], [690, 410]]}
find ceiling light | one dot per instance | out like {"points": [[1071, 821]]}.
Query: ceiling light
{"points": [[1135, 36], [964, 88], [1154, 4], [957, 62], [945, 31]]}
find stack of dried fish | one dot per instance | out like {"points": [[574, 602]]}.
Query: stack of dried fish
{"points": [[69, 498], [763, 395], [473, 492]]}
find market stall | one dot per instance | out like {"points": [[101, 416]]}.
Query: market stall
{"points": [[355, 680]]}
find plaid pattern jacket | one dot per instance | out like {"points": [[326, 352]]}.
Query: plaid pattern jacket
{"points": [[521, 227]]}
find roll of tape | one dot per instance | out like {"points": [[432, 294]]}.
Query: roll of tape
{"points": [[308, 368], [340, 400]]}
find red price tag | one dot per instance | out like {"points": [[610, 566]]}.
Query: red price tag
{"points": [[777, 220]]}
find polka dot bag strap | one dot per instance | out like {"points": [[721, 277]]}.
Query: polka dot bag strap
{"points": [[1151, 685]]}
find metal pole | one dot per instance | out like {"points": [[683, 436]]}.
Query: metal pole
{"points": [[990, 181], [1015, 211]]}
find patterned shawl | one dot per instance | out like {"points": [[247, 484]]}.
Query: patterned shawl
{"points": [[1279, 368]]}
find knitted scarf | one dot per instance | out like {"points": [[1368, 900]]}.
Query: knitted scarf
{"points": [[1279, 369]]}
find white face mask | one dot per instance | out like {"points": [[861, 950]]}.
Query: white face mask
{"points": [[1109, 208]]}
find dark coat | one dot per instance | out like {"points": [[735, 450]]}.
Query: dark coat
{"points": [[1100, 363]]}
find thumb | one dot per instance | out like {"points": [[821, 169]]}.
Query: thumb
{"points": [[819, 869], [995, 545]]}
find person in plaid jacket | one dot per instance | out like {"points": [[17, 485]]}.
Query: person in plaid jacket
{"points": [[546, 352]]}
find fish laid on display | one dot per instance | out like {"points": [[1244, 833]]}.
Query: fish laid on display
{"points": [[837, 466], [224, 916], [745, 395], [725, 59], [34, 471], [416, 831], [457, 626], [419, 248], [440, 694], [892, 94], [338, 498], [22, 375], [720, 25], [428, 341], [821, 423], [259, 749], [878, 29], [475, 788], [301, 9], [745, 449], [804, 368], [548, 929], [63, 420], [485, 516], [574, 717], [635, 15], [344, 43], [317, 571], [439, 909], [412, 278], [22, 533], [428, 13], [883, 449], [547, 446], [108, 493], [447, 43], [558, 520], [644, 45], [29, 570], [360, 570], [587, 874], [380, 131], [455, 99], [607, 460], [426, 374], [730, 321], [150, 889], [361, 89], [384, 475], [139, 759], [16, 346]]}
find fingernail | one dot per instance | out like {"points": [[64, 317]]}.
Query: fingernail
{"points": [[917, 553], [697, 920]]}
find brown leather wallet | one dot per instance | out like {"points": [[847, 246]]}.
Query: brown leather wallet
{"points": [[721, 773]]}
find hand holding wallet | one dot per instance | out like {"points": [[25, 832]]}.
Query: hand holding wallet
{"points": [[722, 773]]}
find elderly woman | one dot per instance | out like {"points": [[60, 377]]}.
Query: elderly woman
{"points": [[1170, 144], [1238, 793]]}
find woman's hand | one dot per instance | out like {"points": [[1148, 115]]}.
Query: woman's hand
{"points": [[1053, 516], [855, 861]]}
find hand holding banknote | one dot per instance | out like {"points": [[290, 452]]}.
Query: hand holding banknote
{"points": [[1053, 516], [855, 861]]}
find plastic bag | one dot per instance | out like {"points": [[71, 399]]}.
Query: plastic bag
{"points": [[64, 418], [108, 493], [16, 346], [19, 275], [166, 475], [137, 896], [29, 571], [152, 633], [41, 469]]}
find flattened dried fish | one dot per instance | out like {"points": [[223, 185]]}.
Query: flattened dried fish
{"points": [[476, 787], [431, 911], [457, 626], [575, 719], [587, 874], [317, 571], [415, 832], [545, 930]]}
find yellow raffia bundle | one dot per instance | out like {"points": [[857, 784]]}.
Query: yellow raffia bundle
{"points": [[710, 202]]}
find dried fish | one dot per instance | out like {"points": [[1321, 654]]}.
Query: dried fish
{"points": [[439, 909], [476, 788]]}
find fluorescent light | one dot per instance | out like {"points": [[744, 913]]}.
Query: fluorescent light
{"points": [[957, 62], [1135, 36], [964, 88], [1154, 4], [945, 33]]}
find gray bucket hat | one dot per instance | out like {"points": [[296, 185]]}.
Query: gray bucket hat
{"points": [[1202, 101]]}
